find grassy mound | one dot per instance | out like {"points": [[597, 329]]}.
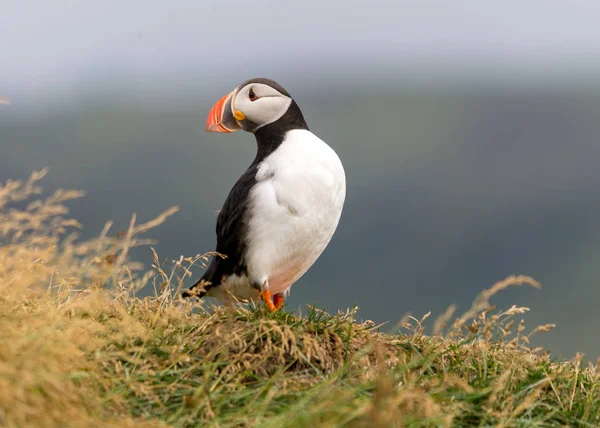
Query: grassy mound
{"points": [[77, 348]]}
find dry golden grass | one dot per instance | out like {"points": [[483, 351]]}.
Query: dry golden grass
{"points": [[79, 349]]}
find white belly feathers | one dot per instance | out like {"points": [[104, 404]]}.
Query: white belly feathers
{"points": [[294, 209]]}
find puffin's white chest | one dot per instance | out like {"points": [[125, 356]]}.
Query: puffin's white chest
{"points": [[294, 209]]}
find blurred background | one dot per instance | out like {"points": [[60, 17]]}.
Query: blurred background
{"points": [[470, 134]]}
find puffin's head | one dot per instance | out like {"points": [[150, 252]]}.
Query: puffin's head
{"points": [[252, 105]]}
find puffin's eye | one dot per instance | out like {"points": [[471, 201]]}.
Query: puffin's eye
{"points": [[252, 95]]}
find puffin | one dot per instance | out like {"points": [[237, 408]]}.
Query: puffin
{"points": [[284, 209]]}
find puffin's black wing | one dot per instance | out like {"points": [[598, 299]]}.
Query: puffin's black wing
{"points": [[231, 236]]}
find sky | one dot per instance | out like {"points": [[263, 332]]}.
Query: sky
{"points": [[51, 48]]}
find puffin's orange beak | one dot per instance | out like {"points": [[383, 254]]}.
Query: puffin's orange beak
{"points": [[221, 118]]}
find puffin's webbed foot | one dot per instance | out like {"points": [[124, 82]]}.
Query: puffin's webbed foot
{"points": [[266, 297], [278, 300]]}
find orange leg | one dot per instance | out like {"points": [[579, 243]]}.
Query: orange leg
{"points": [[278, 300], [266, 297]]}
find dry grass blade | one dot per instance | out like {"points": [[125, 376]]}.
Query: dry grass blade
{"points": [[482, 302]]}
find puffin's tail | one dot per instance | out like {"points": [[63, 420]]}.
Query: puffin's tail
{"points": [[201, 287], [197, 290]]}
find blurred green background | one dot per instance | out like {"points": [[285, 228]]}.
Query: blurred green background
{"points": [[470, 137]]}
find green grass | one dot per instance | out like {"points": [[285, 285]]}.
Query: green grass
{"points": [[77, 348], [247, 368]]}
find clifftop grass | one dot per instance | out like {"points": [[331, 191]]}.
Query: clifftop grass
{"points": [[77, 348]]}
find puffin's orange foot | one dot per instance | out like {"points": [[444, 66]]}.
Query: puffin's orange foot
{"points": [[266, 297], [278, 300]]}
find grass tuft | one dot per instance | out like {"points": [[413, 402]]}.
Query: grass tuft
{"points": [[78, 348]]}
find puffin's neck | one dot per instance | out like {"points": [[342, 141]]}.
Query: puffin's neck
{"points": [[270, 136]]}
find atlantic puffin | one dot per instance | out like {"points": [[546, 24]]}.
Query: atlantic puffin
{"points": [[283, 211]]}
